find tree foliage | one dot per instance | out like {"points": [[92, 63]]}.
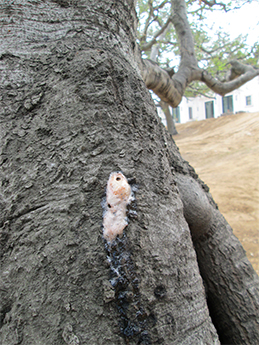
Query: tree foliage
{"points": [[214, 50]]}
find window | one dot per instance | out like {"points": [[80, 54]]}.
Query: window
{"points": [[248, 100], [209, 109], [176, 114], [227, 104], [190, 113]]}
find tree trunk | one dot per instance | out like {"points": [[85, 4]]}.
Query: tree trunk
{"points": [[169, 119], [74, 110], [165, 107], [232, 285]]}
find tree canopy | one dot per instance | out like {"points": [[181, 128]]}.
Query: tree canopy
{"points": [[214, 59]]}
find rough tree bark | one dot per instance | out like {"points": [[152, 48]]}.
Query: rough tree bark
{"points": [[165, 107], [74, 109], [232, 285], [169, 119]]}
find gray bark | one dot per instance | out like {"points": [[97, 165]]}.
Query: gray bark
{"points": [[232, 285], [74, 109], [169, 119], [165, 107]]}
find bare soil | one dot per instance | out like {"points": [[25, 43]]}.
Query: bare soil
{"points": [[225, 154]]}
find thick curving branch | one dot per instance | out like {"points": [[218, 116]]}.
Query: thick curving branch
{"points": [[239, 75], [171, 88], [237, 69], [160, 82]]}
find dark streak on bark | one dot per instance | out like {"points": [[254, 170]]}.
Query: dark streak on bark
{"points": [[60, 154]]}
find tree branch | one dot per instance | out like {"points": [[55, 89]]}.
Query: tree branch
{"points": [[223, 6], [159, 81], [210, 52], [188, 65], [163, 3], [240, 74], [213, 3], [149, 45], [147, 23], [237, 69], [169, 119], [171, 89], [170, 71]]}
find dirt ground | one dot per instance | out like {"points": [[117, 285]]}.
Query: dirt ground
{"points": [[225, 154]]}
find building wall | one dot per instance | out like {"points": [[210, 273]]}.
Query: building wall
{"points": [[239, 97]]}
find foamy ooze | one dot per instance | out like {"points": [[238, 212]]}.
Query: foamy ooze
{"points": [[118, 195]]}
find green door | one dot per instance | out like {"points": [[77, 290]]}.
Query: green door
{"points": [[227, 104], [209, 109]]}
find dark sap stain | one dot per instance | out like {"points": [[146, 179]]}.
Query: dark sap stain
{"points": [[133, 318]]}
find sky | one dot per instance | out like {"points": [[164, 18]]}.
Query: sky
{"points": [[243, 21]]}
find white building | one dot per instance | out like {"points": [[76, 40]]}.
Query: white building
{"points": [[244, 99]]}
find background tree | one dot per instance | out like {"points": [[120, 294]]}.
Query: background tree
{"points": [[214, 55], [74, 108]]}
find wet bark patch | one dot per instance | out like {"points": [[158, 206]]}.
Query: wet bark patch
{"points": [[133, 321]]}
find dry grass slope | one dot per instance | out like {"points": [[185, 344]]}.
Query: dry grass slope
{"points": [[225, 154]]}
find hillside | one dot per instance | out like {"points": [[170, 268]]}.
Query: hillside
{"points": [[225, 154]]}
